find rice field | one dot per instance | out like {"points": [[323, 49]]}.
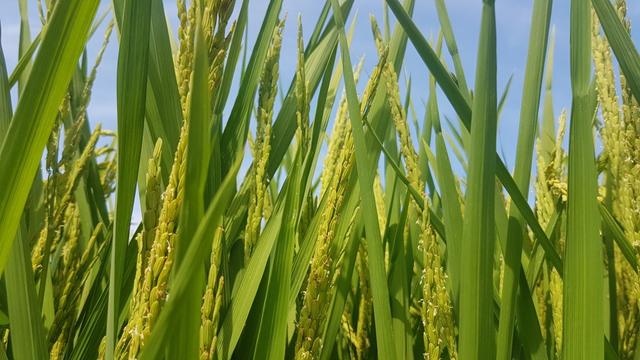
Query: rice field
{"points": [[317, 219]]}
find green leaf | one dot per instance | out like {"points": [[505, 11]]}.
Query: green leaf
{"points": [[534, 71], [232, 58], [614, 228], [399, 287], [477, 331], [317, 30], [163, 110], [503, 97], [434, 218], [92, 318], [536, 257], [547, 133], [447, 31], [247, 284], [583, 276], [235, 133], [343, 287], [27, 330], [133, 59], [272, 336], [379, 287], [452, 211], [25, 41], [528, 326], [37, 108], [6, 111], [24, 61], [187, 317]]}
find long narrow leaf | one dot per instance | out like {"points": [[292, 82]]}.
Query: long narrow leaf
{"points": [[187, 317], [27, 330], [538, 36], [583, 285], [477, 331], [35, 114], [379, 288], [133, 59]]}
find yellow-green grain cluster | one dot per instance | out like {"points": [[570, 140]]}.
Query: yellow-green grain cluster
{"points": [[262, 143], [155, 277], [620, 131], [212, 302]]}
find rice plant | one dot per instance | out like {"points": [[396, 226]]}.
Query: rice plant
{"points": [[317, 219]]}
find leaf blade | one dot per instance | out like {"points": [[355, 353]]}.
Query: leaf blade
{"points": [[34, 117], [133, 59], [583, 285]]}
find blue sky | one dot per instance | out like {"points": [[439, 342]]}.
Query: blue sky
{"points": [[513, 22]]}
